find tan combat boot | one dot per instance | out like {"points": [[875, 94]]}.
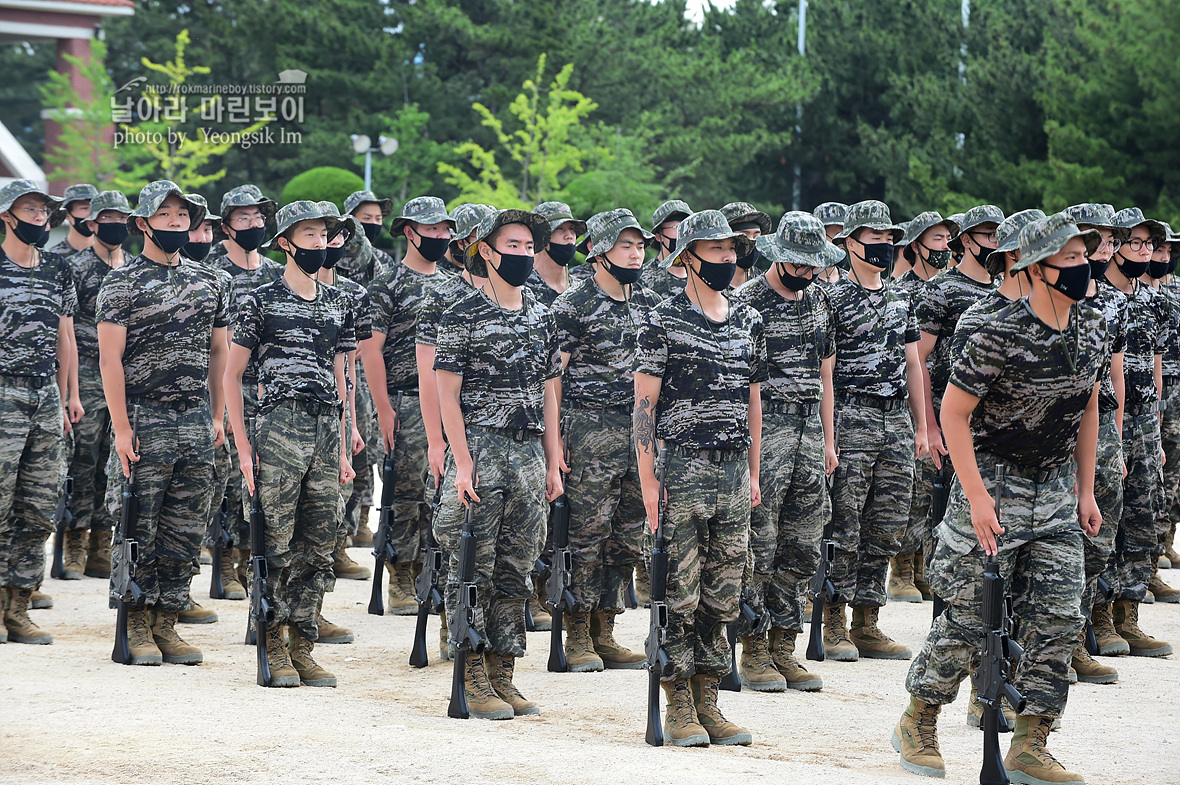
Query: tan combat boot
{"points": [[229, 577], [542, 621], [614, 655], [756, 669], [901, 580], [282, 673], [500, 668], [837, 645], [98, 554], [920, 582], [243, 568], [1126, 623], [580, 655], [1162, 591], [870, 641], [195, 614], [1170, 548], [721, 731], [782, 654], [140, 642], [206, 557], [329, 632], [364, 535], [1089, 670], [1110, 643], [444, 634], [975, 712], [344, 567], [74, 555], [642, 584], [19, 626], [915, 737], [681, 726], [482, 701], [171, 645], [310, 672], [40, 601], [1029, 762], [399, 600]]}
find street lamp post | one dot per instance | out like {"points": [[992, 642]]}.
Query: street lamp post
{"points": [[362, 145]]}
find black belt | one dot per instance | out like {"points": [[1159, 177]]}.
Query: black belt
{"points": [[805, 409], [621, 408], [1038, 476], [712, 456], [1140, 410], [32, 382], [176, 406], [516, 434], [1170, 381], [872, 401], [1106, 417], [307, 406], [407, 393]]}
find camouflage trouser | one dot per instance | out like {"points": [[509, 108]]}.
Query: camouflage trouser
{"points": [[1170, 437], [870, 498], [508, 521], [92, 445], [1044, 575], [411, 505], [225, 474], [1108, 492], [361, 494], [32, 476], [607, 518], [1137, 538], [785, 529], [919, 533], [707, 522], [238, 521], [174, 483], [299, 489]]}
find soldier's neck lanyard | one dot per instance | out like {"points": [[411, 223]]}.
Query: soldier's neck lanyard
{"points": [[886, 296], [521, 417], [1070, 357], [713, 361]]}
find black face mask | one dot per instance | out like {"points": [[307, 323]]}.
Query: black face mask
{"points": [[624, 275], [112, 234], [81, 227], [30, 234], [1071, 281], [983, 249], [458, 256], [669, 246], [196, 251], [1172, 265], [795, 283], [879, 255], [749, 260], [309, 260], [167, 240], [1098, 268], [1159, 269], [250, 239], [514, 268], [332, 255], [716, 275], [372, 231], [1131, 270], [432, 248], [562, 254]]}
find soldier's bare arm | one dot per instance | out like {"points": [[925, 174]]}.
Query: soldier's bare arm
{"points": [[235, 366], [1085, 452], [375, 375], [346, 470], [449, 386], [827, 415], [356, 441], [436, 446], [643, 420], [74, 410], [218, 355], [63, 366], [554, 460], [754, 454], [112, 340], [933, 432], [1120, 391], [957, 406], [915, 370]]}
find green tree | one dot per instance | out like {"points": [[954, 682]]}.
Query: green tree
{"points": [[324, 183], [82, 155]]}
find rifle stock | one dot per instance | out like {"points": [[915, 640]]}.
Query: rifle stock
{"points": [[383, 551], [426, 588], [260, 611], [221, 541], [557, 588], [464, 636], [62, 518], [123, 577], [821, 593], [658, 662], [938, 502], [1105, 594], [743, 625]]}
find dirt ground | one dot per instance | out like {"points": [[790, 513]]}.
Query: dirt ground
{"points": [[70, 715]]}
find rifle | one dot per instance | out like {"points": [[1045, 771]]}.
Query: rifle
{"points": [[558, 596], [658, 662], [426, 588], [1106, 594], [260, 611], [938, 501], [464, 636], [1001, 655], [62, 518], [222, 541], [632, 601], [821, 593], [383, 551], [123, 577], [746, 623]]}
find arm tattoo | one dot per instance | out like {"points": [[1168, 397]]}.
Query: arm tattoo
{"points": [[644, 423]]}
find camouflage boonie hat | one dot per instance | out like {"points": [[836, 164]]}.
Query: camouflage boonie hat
{"points": [[559, 214], [213, 218], [670, 211], [347, 222], [493, 221], [248, 196], [79, 192], [1092, 214], [958, 219], [800, 239], [152, 195], [980, 214], [109, 200], [303, 210], [18, 188], [905, 227], [357, 198], [604, 230], [706, 225], [922, 222], [1045, 237], [744, 212], [1128, 219], [869, 214], [831, 213], [427, 210], [1008, 238], [467, 218]]}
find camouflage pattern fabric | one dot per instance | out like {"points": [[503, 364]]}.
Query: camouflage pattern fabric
{"points": [[32, 476], [1148, 333], [975, 317], [225, 473], [32, 302], [168, 313], [152, 195], [299, 490], [364, 462], [92, 445], [1113, 305], [944, 299], [1108, 492], [680, 345], [543, 292], [1171, 300], [707, 519], [411, 502], [661, 282], [509, 524], [1043, 573], [599, 333], [63, 249], [1170, 436], [397, 297], [437, 300], [872, 330], [89, 270], [918, 534], [504, 357], [294, 341], [174, 484], [1138, 536]]}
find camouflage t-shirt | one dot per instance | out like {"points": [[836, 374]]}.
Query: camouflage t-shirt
{"points": [[599, 334], [89, 271], [1032, 401], [873, 327], [661, 282], [397, 296], [362, 309], [32, 302], [1171, 361], [1147, 335], [944, 299], [169, 313], [1112, 304], [64, 249], [295, 341], [978, 314], [439, 298], [362, 262], [800, 334], [541, 290], [707, 369], [504, 357]]}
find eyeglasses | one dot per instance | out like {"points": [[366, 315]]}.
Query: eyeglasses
{"points": [[246, 221], [35, 211], [1113, 244], [1137, 244], [989, 236]]}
